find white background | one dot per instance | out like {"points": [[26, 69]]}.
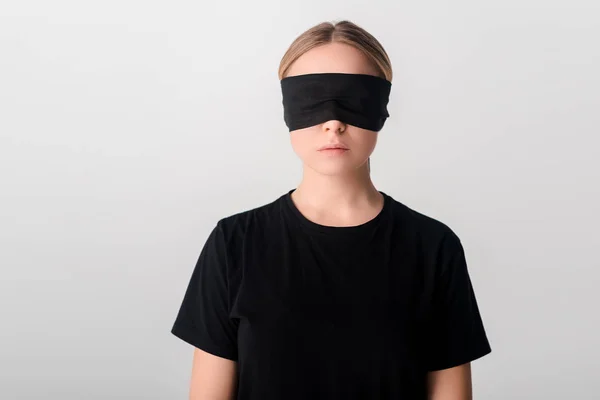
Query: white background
{"points": [[128, 128]]}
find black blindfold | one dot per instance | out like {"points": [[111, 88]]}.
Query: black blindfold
{"points": [[356, 99]]}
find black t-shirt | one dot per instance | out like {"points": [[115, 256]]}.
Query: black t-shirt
{"points": [[319, 312]]}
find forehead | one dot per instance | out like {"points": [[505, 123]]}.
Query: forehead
{"points": [[333, 57]]}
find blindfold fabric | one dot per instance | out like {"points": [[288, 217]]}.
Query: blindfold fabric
{"points": [[356, 99]]}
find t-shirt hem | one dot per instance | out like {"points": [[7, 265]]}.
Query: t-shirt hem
{"points": [[456, 361], [194, 338]]}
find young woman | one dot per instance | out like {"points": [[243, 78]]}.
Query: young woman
{"points": [[334, 290]]}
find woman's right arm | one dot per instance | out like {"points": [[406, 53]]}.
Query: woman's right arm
{"points": [[213, 377], [204, 321]]}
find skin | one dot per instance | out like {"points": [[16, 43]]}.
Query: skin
{"points": [[213, 377], [335, 190]]}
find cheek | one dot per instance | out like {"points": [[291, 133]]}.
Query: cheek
{"points": [[299, 148], [366, 141], [301, 142]]}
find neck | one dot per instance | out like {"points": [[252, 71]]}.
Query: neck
{"points": [[326, 192]]}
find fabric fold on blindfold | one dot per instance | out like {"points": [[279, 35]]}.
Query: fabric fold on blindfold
{"points": [[356, 99]]}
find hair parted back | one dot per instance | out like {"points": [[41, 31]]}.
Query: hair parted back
{"points": [[345, 32]]}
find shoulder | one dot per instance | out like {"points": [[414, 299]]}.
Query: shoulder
{"points": [[247, 229], [235, 227], [419, 221], [428, 232]]}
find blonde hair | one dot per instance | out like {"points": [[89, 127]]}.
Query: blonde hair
{"points": [[341, 32]]}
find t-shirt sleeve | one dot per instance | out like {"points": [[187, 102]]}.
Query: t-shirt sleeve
{"points": [[203, 319], [456, 334]]}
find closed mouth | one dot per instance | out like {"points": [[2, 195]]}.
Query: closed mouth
{"points": [[334, 147]]}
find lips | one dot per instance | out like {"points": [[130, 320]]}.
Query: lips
{"points": [[333, 147]]}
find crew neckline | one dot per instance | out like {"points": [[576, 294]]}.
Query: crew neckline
{"points": [[344, 231]]}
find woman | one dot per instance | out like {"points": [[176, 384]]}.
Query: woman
{"points": [[335, 290]]}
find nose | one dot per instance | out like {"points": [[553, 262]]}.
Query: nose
{"points": [[334, 125]]}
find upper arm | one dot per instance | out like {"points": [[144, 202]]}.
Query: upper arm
{"points": [[213, 377], [455, 335], [450, 384], [204, 321]]}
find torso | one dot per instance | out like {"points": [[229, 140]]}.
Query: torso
{"points": [[331, 312]]}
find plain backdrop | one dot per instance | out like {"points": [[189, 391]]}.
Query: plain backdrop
{"points": [[128, 128]]}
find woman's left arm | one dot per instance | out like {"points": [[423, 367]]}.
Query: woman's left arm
{"points": [[454, 332], [450, 384]]}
